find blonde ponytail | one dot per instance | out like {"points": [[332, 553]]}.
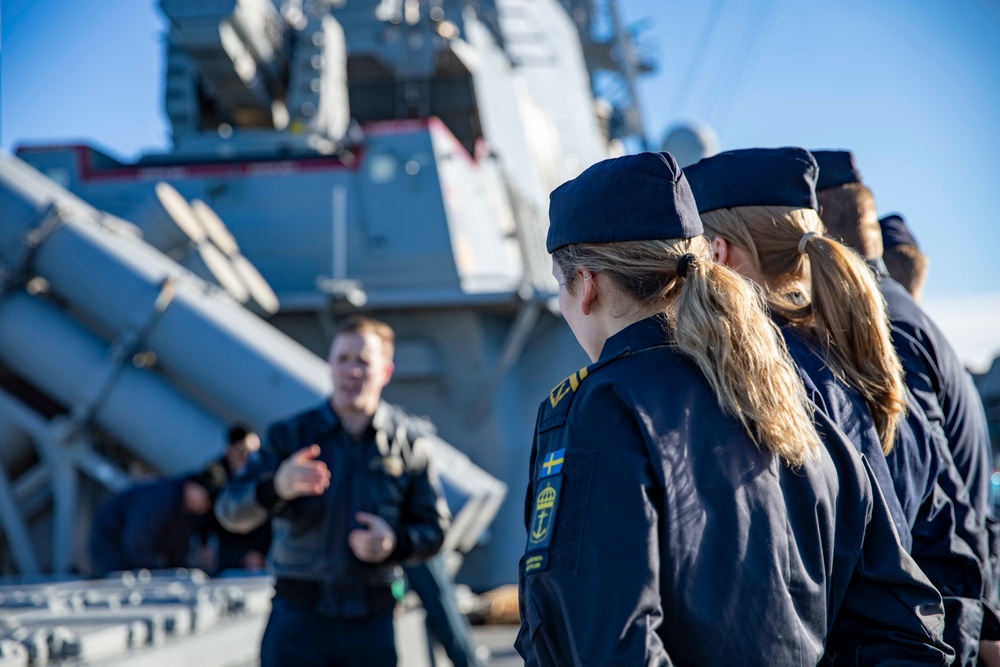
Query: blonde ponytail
{"points": [[849, 307], [843, 308], [719, 322]]}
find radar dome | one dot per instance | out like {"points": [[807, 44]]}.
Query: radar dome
{"points": [[690, 142]]}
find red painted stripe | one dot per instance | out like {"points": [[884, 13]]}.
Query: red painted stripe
{"points": [[180, 171]]}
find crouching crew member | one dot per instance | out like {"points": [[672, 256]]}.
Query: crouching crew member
{"points": [[149, 525], [682, 508], [759, 208], [352, 494]]}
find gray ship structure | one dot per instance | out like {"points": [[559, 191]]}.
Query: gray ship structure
{"points": [[329, 157]]}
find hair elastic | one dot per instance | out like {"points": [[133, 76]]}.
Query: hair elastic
{"points": [[684, 263], [804, 241]]}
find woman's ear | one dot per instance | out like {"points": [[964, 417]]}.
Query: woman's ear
{"points": [[720, 251], [590, 291]]}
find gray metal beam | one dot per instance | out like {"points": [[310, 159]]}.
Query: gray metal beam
{"points": [[16, 529]]}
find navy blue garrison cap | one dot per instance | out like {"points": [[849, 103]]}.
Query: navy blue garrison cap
{"points": [[754, 177], [895, 232], [836, 168], [629, 198]]}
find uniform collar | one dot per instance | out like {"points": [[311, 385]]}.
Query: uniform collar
{"points": [[878, 266], [330, 422], [637, 336]]}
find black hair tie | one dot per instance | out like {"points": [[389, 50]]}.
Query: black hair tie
{"points": [[684, 263]]}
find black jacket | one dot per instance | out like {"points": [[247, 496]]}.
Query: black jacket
{"points": [[920, 473], [847, 409], [659, 533], [388, 474], [942, 386], [144, 526], [948, 397]]}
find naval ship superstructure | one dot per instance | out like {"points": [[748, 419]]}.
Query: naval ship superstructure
{"points": [[391, 157]]}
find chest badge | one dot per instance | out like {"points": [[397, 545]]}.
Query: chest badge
{"points": [[390, 465]]}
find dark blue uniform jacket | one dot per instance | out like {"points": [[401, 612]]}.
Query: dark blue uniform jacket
{"points": [[919, 474], [942, 386], [387, 473], [142, 527], [847, 409], [659, 533], [947, 395]]}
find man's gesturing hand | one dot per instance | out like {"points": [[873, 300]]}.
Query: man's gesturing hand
{"points": [[302, 475], [375, 542]]}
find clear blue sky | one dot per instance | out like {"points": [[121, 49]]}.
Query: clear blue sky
{"points": [[912, 87]]}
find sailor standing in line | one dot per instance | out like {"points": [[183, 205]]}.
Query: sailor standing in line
{"points": [[902, 256], [682, 508], [759, 208], [933, 372]]}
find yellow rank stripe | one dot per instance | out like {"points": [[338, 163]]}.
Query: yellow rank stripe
{"points": [[561, 389]]}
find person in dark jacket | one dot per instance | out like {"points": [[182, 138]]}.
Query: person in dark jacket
{"points": [[682, 508], [223, 549], [148, 525], [934, 374], [352, 495], [902, 255], [759, 208]]}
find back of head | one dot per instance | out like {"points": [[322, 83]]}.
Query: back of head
{"points": [[243, 442], [902, 256], [237, 433], [846, 205], [758, 207], [763, 200], [634, 220], [201, 489]]}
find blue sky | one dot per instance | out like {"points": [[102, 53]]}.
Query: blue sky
{"points": [[911, 87]]}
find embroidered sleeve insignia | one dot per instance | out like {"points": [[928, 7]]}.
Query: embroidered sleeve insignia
{"points": [[572, 383], [553, 463], [543, 519]]}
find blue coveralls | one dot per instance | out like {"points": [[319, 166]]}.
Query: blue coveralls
{"points": [[660, 533], [919, 474], [145, 526], [947, 395]]}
